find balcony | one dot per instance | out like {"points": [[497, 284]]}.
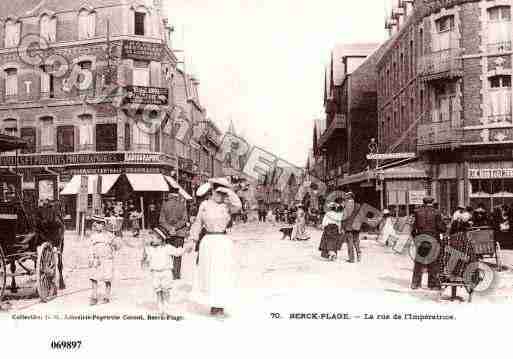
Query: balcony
{"points": [[441, 64], [440, 135], [147, 95], [499, 47], [339, 123]]}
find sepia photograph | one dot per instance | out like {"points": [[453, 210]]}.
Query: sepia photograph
{"points": [[240, 175]]}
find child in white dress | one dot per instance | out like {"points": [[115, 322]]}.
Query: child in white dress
{"points": [[101, 259], [158, 258]]}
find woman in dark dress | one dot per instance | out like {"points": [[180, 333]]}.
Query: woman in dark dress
{"points": [[331, 224]]}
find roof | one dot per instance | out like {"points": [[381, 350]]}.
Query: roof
{"points": [[342, 51], [25, 8], [9, 143]]}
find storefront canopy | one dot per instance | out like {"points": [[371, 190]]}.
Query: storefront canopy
{"points": [[73, 186], [147, 182], [415, 170], [175, 184]]}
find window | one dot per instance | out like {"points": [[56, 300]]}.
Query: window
{"points": [[12, 33], [85, 78], [47, 82], [141, 73], [48, 28], [444, 102], [86, 24], [139, 22], [66, 139], [28, 134], [85, 132], [10, 127], [499, 106], [11, 82], [47, 133], [141, 138], [106, 137], [445, 24], [445, 36], [499, 29]]}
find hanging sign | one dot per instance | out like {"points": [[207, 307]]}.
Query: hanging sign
{"points": [[488, 173], [391, 156]]}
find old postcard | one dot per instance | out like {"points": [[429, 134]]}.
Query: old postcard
{"points": [[250, 176]]}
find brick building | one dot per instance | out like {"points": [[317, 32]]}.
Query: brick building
{"points": [[445, 93], [96, 97], [335, 141]]}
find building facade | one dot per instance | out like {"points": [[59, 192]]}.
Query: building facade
{"points": [[446, 94], [98, 93]]}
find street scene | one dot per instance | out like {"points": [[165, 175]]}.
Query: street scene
{"points": [[135, 182]]}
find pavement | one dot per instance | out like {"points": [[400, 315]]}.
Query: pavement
{"points": [[274, 276]]}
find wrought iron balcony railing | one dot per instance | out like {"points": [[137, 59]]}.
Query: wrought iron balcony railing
{"points": [[502, 46], [441, 64], [439, 135]]}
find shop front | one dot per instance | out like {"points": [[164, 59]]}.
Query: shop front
{"points": [[490, 184], [133, 178]]}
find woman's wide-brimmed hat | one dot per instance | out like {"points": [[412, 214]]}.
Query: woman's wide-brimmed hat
{"points": [[220, 182], [98, 219]]}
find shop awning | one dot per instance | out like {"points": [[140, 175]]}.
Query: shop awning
{"points": [[147, 182], [175, 184], [409, 171], [73, 186]]}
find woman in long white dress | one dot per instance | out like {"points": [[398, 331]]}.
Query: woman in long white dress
{"points": [[215, 281]]}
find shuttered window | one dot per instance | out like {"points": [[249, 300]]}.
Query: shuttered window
{"points": [[139, 22], [499, 29], [12, 33], [65, 139], [11, 82]]}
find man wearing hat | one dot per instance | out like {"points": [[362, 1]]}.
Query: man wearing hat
{"points": [[427, 229], [352, 235], [173, 217]]}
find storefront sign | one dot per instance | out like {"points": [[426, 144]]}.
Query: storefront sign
{"points": [[416, 197], [486, 173], [391, 156], [142, 50], [63, 159], [147, 95]]}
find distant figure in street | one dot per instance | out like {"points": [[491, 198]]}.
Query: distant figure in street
{"points": [[134, 216], [153, 215], [299, 232], [101, 259], [427, 229], [173, 217], [262, 212], [332, 225], [480, 217], [352, 235], [157, 257]]}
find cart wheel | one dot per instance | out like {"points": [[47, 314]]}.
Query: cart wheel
{"points": [[498, 256], [46, 272], [3, 274]]}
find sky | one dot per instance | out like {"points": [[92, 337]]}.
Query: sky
{"points": [[261, 62]]}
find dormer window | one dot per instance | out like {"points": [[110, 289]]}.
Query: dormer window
{"points": [[86, 24], [139, 23], [12, 33], [48, 28]]}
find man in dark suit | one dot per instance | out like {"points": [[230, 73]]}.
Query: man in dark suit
{"points": [[173, 217], [352, 235], [427, 229]]}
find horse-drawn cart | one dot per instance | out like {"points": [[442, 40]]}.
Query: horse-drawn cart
{"points": [[25, 250]]}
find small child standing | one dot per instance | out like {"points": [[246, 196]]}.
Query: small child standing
{"points": [[101, 259], [134, 218], [158, 258]]}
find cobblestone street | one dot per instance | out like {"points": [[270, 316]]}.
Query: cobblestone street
{"points": [[274, 276]]}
